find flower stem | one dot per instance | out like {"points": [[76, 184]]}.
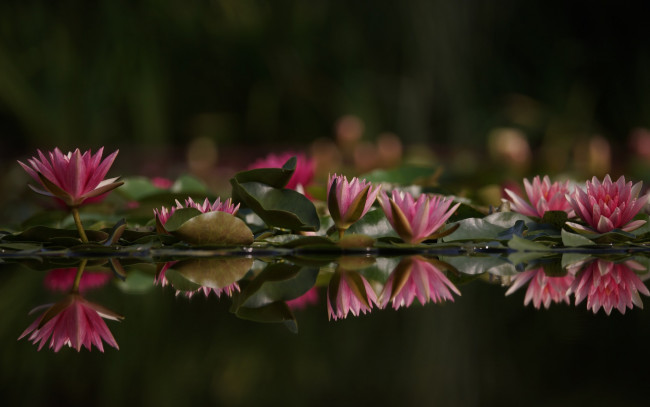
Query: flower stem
{"points": [[341, 232], [77, 278], [80, 227]]}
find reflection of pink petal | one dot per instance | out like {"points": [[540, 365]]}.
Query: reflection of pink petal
{"points": [[63, 279], [75, 322], [609, 285], [542, 289], [308, 298], [227, 291], [347, 300], [424, 282]]}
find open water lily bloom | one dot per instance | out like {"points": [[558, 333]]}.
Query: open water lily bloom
{"points": [[543, 196], [609, 285], [416, 220], [348, 201], [73, 322], [416, 278], [542, 289], [74, 178], [608, 205]]}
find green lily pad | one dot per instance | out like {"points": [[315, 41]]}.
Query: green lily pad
{"points": [[283, 208], [273, 177], [218, 228]]}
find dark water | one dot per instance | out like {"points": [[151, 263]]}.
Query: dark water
{"points": [[482, 348]]}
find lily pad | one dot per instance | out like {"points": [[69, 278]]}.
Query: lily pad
{"points": [[283, 208], [215, 273], [218, 228]]}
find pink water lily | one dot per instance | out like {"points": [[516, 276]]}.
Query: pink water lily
{"points": [[609, 285], [416, 277], [608, 205], [163, 214], [349, 201], [303, 174], [349, 291], [74, 178], [73, 322], [543, 197], [416, 220], [542, 289]]}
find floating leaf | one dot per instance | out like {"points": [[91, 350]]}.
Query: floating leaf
{"points": [[374, 224], [283, 208], [574, 240], [217, 228], [179, 217], [273, 177]]}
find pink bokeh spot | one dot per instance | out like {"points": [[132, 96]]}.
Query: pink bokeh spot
{"points": [[303, 175], [63, 279]]}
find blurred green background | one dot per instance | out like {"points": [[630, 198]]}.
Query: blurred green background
{"points": [[273, 74]]}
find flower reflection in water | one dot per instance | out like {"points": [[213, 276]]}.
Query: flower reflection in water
{"points": [[161, 280], [416, 277], [542, 289], [73, 321], [349, 291], [609, 285]]}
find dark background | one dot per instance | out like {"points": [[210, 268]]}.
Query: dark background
{"points": [[156, 75]]}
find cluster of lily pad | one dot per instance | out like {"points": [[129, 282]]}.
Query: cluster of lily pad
{"points": [[270, 208]]}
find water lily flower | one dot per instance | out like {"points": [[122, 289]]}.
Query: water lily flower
{"points": [[163, 214], [543, 197], [607, 206], [303, 174], [73, 322], [74, 178], [349, 201], [63, 279], [609, 285], [542, 289], [416, 220], [349, 291], [415, 277]]}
